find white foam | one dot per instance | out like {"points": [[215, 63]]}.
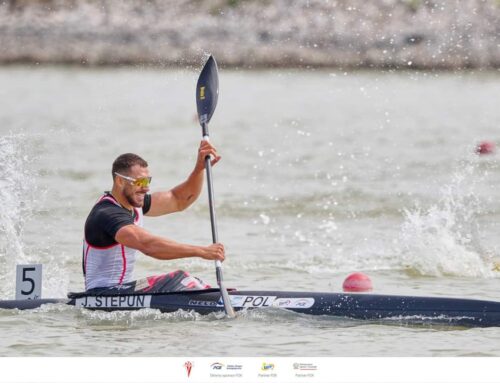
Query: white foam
{"points": [[17, 193], [22, 198], [443, 239]]}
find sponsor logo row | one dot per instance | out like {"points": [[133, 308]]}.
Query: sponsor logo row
{"points": [[265, 369]]}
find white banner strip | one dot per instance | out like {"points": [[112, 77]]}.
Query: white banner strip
{"points": [[258, 369]]}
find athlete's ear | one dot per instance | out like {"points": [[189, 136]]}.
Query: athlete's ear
{"points": [[118, 181]]}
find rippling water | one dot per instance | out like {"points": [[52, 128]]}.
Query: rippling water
{"points": [[323, 173]]}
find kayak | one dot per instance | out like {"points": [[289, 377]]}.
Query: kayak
{"points": [[372, 307]]}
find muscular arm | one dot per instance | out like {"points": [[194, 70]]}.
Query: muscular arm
{"points": [[162, 248], [177, 199], [182, 196]]}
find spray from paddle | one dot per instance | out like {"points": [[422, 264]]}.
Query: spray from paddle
{"points": [[444, 238], [18, 195]]}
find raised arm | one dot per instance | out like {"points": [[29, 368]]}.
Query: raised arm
{"points": [[183, 195]]}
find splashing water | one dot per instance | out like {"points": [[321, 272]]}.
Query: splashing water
{"points": [[17, 193], [444, 239]]}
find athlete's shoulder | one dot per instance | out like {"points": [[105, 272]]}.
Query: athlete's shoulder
{"points": [[106, 211], [107, 198]]}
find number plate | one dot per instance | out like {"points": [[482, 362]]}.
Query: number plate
{"points": [[28, 282]]}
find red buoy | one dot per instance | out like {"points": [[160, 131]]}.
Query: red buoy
{"points": [[485, 147], [357, 282]]}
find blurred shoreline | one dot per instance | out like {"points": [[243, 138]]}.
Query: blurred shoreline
{"points": [[354, 34]]}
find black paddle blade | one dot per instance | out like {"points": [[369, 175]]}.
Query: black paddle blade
{"points": [[207, 91]]}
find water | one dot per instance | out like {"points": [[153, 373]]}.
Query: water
{"points": [[323, 173]]}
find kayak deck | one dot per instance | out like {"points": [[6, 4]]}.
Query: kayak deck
{"points": [[408, 309]]}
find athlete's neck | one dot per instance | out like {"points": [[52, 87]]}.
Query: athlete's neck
{"points": [[115, 193]]}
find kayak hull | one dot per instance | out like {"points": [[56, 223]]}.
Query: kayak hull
{"points": [[29, 304], [374, 307]]}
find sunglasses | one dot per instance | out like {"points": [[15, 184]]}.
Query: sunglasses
{"points": [[142, 182]]}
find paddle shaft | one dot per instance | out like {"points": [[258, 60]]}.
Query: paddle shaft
{"points": [[213, 221], [211, 203]]}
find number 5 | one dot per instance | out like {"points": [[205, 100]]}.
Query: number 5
{"points": [[29, 282]]}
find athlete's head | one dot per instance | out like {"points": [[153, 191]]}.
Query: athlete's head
{"points": [[131, 177]]}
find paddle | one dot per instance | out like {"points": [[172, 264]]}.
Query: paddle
{"points": [[207, 92]]}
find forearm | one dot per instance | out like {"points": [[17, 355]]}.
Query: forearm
{"points": [[183, 195], [187, 192], [162, 248]]}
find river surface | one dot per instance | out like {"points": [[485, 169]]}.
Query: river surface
{"points": [[322, 174]]}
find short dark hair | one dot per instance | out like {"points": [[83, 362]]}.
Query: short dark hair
{"points": [[124, 162]]}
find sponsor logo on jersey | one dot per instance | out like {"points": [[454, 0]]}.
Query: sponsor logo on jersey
{"points": [[141, 284]]}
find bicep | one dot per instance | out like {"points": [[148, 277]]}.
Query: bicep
{"points": [[163, 203], [133, 236]]}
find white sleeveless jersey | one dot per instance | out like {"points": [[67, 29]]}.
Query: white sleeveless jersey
{"points": [[111, 265]]}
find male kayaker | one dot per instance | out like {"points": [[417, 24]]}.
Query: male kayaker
{"points": [[114, 232]]}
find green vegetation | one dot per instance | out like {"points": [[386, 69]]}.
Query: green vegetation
{"points": [[234, 3], [414, 5]]}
